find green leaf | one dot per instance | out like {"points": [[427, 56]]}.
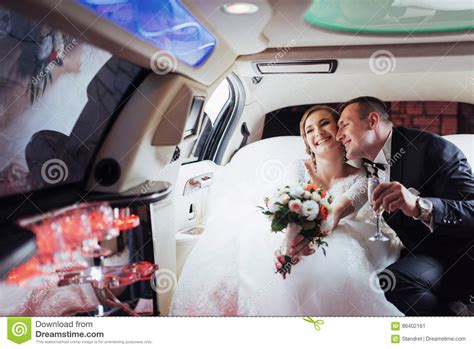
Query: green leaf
{"points": [[278, 225], [293, 216]]}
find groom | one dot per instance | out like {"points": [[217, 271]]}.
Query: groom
{"points": [[428, 201]]}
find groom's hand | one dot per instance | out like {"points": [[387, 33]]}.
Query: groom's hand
{"points": [[394, 196]]}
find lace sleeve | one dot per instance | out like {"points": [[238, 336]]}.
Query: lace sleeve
{"points": [[357, 192]]}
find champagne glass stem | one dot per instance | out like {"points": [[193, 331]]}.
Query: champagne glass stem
{"points": [[378, 223]]}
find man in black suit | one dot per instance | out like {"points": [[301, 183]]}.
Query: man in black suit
{"points": [[428, 201]]}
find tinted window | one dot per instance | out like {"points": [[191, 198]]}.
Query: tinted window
{"points": [[57, 98]]}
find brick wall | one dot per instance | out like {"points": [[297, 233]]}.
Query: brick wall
{"points": [[443, 118]]}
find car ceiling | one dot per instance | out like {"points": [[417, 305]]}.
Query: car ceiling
{"points": [[278, 23], [425, 66]]}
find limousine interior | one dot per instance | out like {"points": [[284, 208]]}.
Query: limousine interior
{"points": [[117, 117]]}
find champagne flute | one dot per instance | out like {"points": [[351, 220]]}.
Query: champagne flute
{"points": [[373, 182], [101, 219]]}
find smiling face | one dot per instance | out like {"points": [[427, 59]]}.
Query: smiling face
{"points": [[355, 134], [320, 130]]}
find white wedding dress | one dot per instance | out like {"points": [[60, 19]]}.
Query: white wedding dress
{"points": [[231, 270]]}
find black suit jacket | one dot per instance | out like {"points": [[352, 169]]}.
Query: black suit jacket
{"points": [[440, 172]]}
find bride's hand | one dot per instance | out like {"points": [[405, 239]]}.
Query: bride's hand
{"points": [[331, 223], [302, 246], [299, 243], [280, 261]]}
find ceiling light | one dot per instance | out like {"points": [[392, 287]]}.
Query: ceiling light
{"points": [[240, 8]]}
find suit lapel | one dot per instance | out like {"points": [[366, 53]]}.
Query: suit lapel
{"points": [[397, 155], [398, 152]]}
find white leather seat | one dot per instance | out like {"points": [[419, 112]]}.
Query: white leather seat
{"points": [[465, 142], [287, 148], [268, 163]]}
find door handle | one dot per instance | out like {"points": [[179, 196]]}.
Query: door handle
{"points": [[198, 182]]}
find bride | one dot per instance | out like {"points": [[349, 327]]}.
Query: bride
{"points": [[230, 272]]}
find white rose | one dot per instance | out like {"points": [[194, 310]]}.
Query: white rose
{"points": [[325, 202], [296, 191], [295, 206], [272, 207], [284, 199], [307, 195], [310, 210], [315, 196]]}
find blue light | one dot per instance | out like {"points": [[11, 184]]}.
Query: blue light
{"points": [[167, 24]]}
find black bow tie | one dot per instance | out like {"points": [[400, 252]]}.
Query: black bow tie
{"points": [[373, 168]]}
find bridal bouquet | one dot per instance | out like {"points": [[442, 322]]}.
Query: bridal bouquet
{"points": [[304, 208]]}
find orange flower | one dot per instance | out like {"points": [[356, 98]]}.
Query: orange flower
{"points": [[323, 193], [311, 186], [323, 211]]}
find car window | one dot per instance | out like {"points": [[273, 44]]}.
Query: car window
{"points": [[57, 95], [212, 110], [217, 101]]}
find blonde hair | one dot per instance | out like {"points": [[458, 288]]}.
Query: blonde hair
{"points": [[306, 115]]}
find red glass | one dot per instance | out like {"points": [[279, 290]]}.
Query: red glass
{"points": [[75, 227], [111, 277], [46, 241], [101, 219], [33, 273], [51, 246], [30, 273], [124, 220], [143, 269], [64, 236]]}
